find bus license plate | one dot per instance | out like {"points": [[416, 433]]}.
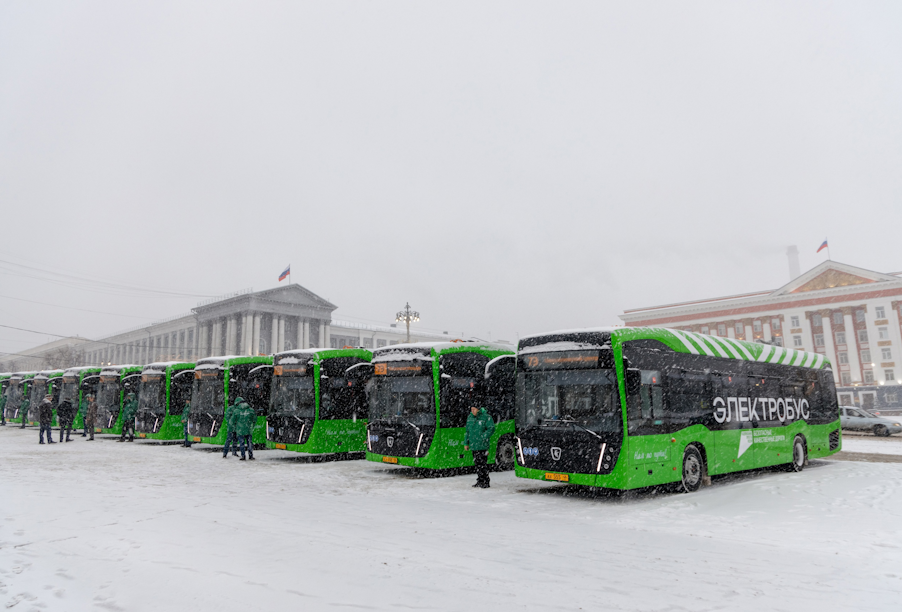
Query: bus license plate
{"points": [[280, 446], [195, 439], [558, 477], [389, 459], [140, 435]]}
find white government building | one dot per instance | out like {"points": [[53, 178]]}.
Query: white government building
{"points": [[851, 315], [243, 323]]}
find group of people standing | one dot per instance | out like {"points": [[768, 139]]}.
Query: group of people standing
{"points": [[66, 413], [240, 419]]}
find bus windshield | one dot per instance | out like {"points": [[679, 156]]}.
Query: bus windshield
{"points": [[587, 398], [152, 397], [208, 393], [69, 391], [402, 398], [293, 396], [108, 395]]}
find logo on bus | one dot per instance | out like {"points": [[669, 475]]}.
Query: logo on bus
{"points": [[759, 409], [391, 441], [555, 453]]}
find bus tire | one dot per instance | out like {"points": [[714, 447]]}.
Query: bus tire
{"points": [[693, 470], [799, 455], [505, 454]]}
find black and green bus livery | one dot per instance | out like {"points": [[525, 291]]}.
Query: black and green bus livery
{"points": [[318, 404], [116, 382], [419, 397], [165, 388], [218, 382], [78, 383], [625, 408], [46, 382], [18, 387]]}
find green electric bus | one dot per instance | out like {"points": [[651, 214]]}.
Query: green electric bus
{"points": [[164, 389], [16, 391], [47, 381], [78, 383], [318, 404], [218, 381], [625, 408], [115, 383], [419, 398]]}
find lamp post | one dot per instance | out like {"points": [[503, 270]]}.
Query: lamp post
{"points": [[406, 316]]}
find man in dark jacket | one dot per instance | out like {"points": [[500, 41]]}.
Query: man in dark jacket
{"points": [[45, 415], [90, 414], [480, 428], [66, 415], [23, 411], [245, 418], [3, 409], [129, 410]]}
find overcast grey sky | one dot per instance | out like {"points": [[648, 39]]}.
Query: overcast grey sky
{"points": [[506, 167]]}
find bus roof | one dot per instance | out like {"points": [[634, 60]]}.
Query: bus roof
{"points": [[79, 369], [118, 369], [223, 360], [296, 355], [680, 341], [162, 366]]}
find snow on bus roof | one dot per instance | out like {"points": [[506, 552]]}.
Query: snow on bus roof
{"points": [[443, 345], [77, 369]]}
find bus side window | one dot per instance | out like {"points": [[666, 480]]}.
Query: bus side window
{"points": [[645, 407]]}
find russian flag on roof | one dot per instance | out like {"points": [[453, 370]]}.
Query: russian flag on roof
{"points": [[819, 249], [285, 273]]}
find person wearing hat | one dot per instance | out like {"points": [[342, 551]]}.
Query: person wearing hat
{"points": [[66, 414], [480, 428], [186, 414], [45, 415], [23, 411], [3, 409], [129, 410], [90, 414], [229, 423], [245, 418]]}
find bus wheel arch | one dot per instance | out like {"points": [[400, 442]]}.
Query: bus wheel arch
{"points": [[799, 454], [505, 453], [694, 468]]}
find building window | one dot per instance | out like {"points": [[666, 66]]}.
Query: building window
{"points": [[740, 329], [862, 335], [889, 375], [837, 318], [721, 330], [891, 398], [886, 353], [843, 357], [840, 337], [757, 327], [865, 356], [381, 343], [794, 321], [859, 316], [883, 333], [797, 341], [880, 312], [868, 376], [816, 320], [704, 329], [846, 378], [818, 339], [775, 324]]}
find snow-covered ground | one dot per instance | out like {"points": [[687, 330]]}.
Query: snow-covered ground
{"points": [[891, 445], [135, 527]]}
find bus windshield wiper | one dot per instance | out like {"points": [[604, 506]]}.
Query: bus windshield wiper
{"points": [[573, 422], [411, 424]]}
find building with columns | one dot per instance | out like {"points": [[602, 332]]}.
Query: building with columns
{"points": [[243, 323], [850, 315]]}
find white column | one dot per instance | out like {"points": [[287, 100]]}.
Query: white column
{"points": [[217, 338], [731, 330], [749, 334], [233, 339], [852, 344], [326, 333], [359, 337], [765, 326], [273, 333], [830, 345], [300, 344], [306, 342], [255, 347], [281, 334]]}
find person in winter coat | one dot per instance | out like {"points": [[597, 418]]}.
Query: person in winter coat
{"points": [[129, 410], [231, 436], [3, 409], [480, 428], [82, 410], [186, 413], [245, 418], [45, 415], [23, 411], [90, 414], [66, 414]]}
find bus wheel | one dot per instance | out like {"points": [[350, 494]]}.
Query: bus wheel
{"points": [[693, 469], [881, 430], [505, 454], [798, 455]]}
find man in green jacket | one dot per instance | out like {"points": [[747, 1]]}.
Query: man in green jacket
{"points": [[245, 418], [228, 422], [480, 428], [129, 410], [23, 411]]}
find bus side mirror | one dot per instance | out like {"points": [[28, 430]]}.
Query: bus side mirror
{"points": [[633, 381]]}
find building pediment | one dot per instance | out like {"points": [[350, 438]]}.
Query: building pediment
{"points": [[288, 300], [830, 275]]}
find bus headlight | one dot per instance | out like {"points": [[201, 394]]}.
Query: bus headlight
{"points": [[520, 452], [604, 445]]}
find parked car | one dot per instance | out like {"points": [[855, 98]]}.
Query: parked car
{"points": [[855, 419]]}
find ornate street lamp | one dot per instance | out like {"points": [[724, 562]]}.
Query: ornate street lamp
{"points": [[406, 316]]}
